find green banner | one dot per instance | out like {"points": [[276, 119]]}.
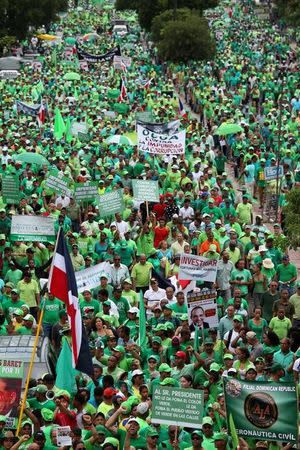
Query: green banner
{"points": [[59, 184], [111, 203], [11, 189], [145, 190], [177, 406], [24, 228], [262, 410], [86, 191]]}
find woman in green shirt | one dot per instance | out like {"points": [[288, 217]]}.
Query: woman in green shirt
{"points": [[258, 324], [260, 284]]}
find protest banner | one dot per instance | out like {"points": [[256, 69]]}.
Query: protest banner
{"points": [[58, 183], [90, 278], [121, 62], [11, 374], [272, 172], [177, 406], [83, 137], [87, 191], [63, 436], [160, 144], [111, 203], [193, 267], [78, 127], [144, 117], [110, 114], [145, 190], [9, 74], [262, 410], [160, 128], [84, 65], [29, 228], [202, 308], [11, 189]]}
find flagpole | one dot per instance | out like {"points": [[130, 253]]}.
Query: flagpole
{"points": [[30, 370], [33, 355]]}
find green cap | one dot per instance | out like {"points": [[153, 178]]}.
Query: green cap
{"points": [[119, 348], [157, 339], [228, 356], [151, 432], [169, 382], [220, 437], [164, 367], [47, 414], [214, 367], [238, 318]]}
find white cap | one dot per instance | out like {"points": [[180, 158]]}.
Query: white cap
{"points": [[134, 310], [137, 372]]}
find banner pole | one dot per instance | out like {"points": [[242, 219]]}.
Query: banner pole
{"points": [[147, 208], [30, 370]]}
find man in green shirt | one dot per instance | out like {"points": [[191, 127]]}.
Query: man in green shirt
{"points": [[88, 304], [141, 273], [11, 304], [286, 273], [51, 307], [40, 401]]}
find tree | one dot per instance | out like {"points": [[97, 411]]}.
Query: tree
{"points": [[120, 5], [289, 10], [160, 21], [292, 217], [17, 16], [183, 40]]}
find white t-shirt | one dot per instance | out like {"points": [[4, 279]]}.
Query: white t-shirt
{"points": [[153, 297], [234, 335]]}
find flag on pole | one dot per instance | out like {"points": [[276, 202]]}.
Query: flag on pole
{"points": [[147, 84], [59, 125], [196, 339], [233, 433], [65, 373], [181, 109], [41, 116], [62, 284], [142, 323], [123, 92]]}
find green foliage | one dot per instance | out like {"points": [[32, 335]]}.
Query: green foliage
{"points": [[120, 5], [17, 16], [292, 217], [289, 10], [7, 41], [159, 22], [184, 40]]}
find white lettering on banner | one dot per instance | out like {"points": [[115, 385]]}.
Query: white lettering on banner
{"points": [[193, 267], [160, 144]]}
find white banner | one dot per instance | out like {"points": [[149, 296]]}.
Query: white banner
{"points": [[120, 61], [193, 267], [202, 309], [78, 127], [32, 228], [90, 278], [160, 144]]}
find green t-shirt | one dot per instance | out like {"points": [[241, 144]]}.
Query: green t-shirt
{"points": [[286, 272], [51, 310], [89, 306], [35, 404], [241, 275]]}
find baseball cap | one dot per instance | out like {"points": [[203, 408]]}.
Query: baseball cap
{"points": [[151, 432], [157, 339], [134, 310], [181, 354], [136, 373], [47, 414], [207, 421], [29, 317], [119, 348], [261, 444], [109, 392], [164, 367], [238, 318], [214, 367], [169, 382], [228, 356], [250, 334], [41, 389], [142, 407]]}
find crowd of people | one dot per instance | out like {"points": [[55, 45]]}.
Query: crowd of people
{"points": [[203, 209]]}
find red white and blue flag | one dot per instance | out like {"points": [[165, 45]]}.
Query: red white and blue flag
{"points": [[123, 92], [62, 284], [181, 109]]}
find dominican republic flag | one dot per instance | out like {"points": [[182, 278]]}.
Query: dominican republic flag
{"points": [[62, 284], [123, 92], [41, 115], [147, 84], [181, 109]]}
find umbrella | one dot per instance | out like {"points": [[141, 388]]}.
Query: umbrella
{"points": [[90, 37], [70, 40], [47, 37], [31, 158], [72, 76], [118, 139], [229, 128]]}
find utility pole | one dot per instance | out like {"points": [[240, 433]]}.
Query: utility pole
{"points": [[175, 9]]}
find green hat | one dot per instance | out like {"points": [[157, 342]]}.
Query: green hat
{"points": [[207, 421], [184, 317], [275, 367], [47, 414], [198, 433], [113, 441], [238, 318], [41, 389], [101, 429], [63, 393], [151, 432], [2, 419], [228, 356], [220, 437], [157, 339], [169, 326], [164, 367], [208, 341], [119, 348], [153, 357], [214, 367], [169, 382], [18, 312]]}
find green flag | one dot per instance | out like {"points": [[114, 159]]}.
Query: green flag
{"points": [[76, 93], [142, 323], [35, 95], [54, 57], [65, 378], [233, 433], [196, 339], [69, 136], [59, 125]]}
